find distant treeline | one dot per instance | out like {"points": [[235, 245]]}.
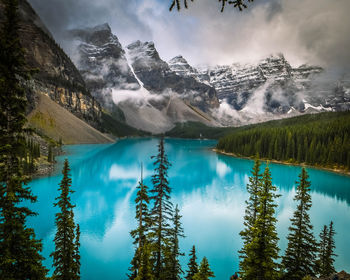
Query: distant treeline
{"points": [[320, 139]]}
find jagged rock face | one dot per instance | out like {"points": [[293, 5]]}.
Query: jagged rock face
{"points": [[180, 66], [102, 60], [158, 77], [237, 84], [102, 63], [57, 77]]}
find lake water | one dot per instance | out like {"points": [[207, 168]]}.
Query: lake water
{"points": [[210, 190]]}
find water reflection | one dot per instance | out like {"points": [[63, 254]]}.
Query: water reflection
{"points": [[209, 188]]}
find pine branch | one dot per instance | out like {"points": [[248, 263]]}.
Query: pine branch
{"points": [[239, 4]]}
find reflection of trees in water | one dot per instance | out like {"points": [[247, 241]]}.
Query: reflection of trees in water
{"points": [[284, 176]]}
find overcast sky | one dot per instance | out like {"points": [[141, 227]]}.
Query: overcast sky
{"points": [[305, 31]]}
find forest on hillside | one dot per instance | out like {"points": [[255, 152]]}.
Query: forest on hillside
{"points": [[320, 140]]}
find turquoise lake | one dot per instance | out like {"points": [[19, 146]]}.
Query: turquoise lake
{"points": [[210, 190]]}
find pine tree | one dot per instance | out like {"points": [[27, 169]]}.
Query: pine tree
{"points": [[140, 264], [299, 258], [65, 259], [49, 154], [145, 271], [172, 262], [322, 253], [161, 213], [192, 265], [76, 255], [204, 272], [19, 249], [329, 264], [262, 251], [253, 189]]}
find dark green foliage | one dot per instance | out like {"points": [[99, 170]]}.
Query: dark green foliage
{"points": [[145, 266], [326, 246], [50, 155], [76, 255], [192, 265], [240, 4], [66, 260], [29, 153], [253, 188], [321, 139], [140, 265], [299, 258], [204, 272], [329, 260], [19, 250], [321, 262], [262, 251], [172, 262], [161, 213]]}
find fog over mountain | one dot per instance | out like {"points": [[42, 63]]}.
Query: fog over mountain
{"points": [[309, 31]]}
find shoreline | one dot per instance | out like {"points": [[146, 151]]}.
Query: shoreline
{"points": [[333, 170]]}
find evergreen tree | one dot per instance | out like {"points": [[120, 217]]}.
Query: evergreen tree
{"points": [[204, 272], [192, 264], [322, 253], [77, 253], [49, 154], [19, 249], [145, 271], [262, 251], [329, 264], [253, 188], [140, 264], [161, 213], [172, 262], [299, 258], [65, 259]]}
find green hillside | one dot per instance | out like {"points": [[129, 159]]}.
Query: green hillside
{"points": [[319, 139]]}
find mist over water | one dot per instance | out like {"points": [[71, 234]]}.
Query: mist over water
{"points": [[210, 190]]}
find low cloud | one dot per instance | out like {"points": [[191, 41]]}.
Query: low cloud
{"points": [[312, 31]]}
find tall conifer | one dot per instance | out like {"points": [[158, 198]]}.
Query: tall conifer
{"points": [[172, 262], [161, 213], [253, 188], [192, 264], [262, 251], [329, 265], [65, 260], [322, 253], [140, 264], [19, 250], [299, 258], [204, 273]]}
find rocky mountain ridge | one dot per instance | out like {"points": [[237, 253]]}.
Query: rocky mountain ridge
{"points": [[237, 94], [137, 84]]}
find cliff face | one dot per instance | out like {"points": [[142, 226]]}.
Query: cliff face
{"points": [[56, 76], [103, 65], [157, 76], [135, 85], [237, 83]]}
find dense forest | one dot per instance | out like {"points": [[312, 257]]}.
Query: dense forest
{"points": [[321, 140]]}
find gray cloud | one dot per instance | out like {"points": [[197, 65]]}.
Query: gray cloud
{"points": [[311, 31]]}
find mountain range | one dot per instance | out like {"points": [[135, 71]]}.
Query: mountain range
{"points": [[154, 94], [129, 90]]}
